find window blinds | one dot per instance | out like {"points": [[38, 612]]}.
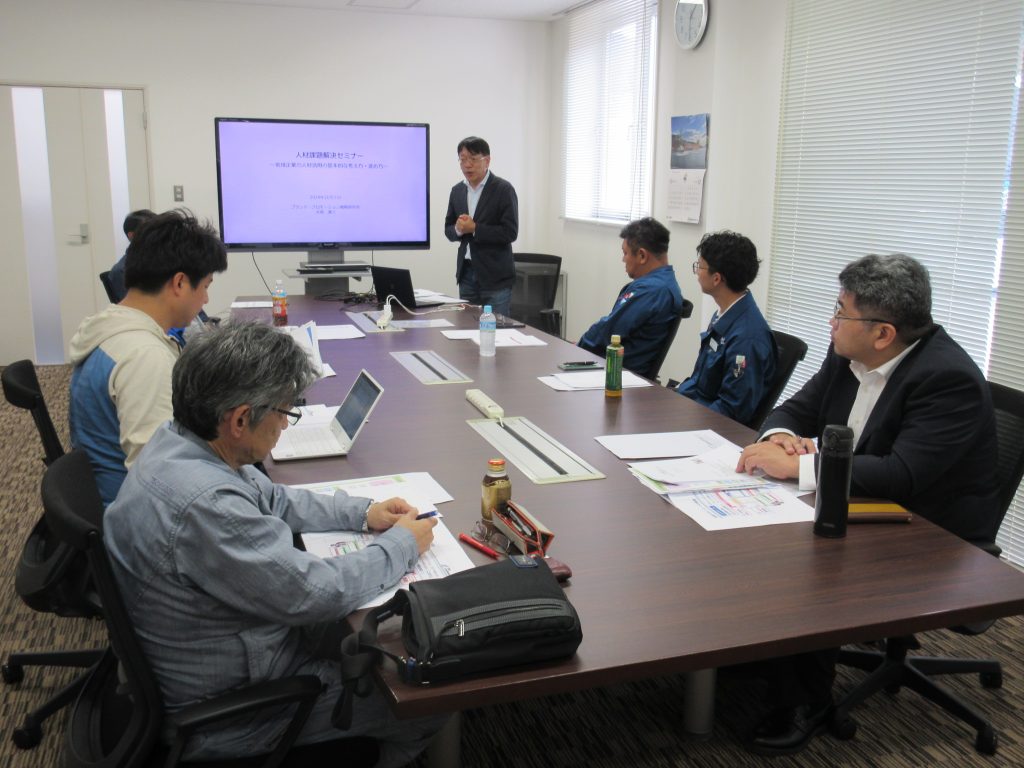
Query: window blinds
{"points": [[609, 104]]}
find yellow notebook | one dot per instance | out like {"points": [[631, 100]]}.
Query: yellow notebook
{"points": [[878, 512]]}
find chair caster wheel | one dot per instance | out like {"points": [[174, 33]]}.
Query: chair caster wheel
{"points": [[844, 729], [27, 737], [12, 673], [991, 679], [986, 742]]}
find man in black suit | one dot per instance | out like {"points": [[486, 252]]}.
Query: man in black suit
{"points": [[483, 217], [924, 431]]}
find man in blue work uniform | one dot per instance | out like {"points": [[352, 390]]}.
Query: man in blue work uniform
{"points": [[645, 308], [737, 356]]}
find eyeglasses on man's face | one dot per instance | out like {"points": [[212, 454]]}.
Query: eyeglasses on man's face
{"points": [[293, 416], [837, 316], [697, 267], [468, 159]]}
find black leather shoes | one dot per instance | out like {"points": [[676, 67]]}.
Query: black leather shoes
{"points": [[787, 731]]}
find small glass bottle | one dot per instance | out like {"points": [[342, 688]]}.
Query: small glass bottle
{"points": [[613, 368], [495, 490]]}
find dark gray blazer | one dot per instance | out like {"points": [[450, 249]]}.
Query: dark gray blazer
{"points": [[497, 227]]}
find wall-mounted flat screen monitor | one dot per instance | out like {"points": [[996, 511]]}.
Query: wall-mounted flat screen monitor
{"points": [[314, 184]]}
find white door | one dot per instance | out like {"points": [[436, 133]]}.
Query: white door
{"points": [[73, 163]]}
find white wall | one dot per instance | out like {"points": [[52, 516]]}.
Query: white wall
{"points": [[735, 76], [200, 60]]}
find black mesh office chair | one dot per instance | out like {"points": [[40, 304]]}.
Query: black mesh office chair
{"points": [[119, 716], [655, 367], [791, 351], [108, 286], [50, 577], [892, 668], [533, 294]]}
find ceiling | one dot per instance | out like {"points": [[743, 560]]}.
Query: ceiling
{"points": [[520, 10]]}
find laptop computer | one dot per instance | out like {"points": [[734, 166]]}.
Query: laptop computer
{"points": [[388, 281], [336, 438]]}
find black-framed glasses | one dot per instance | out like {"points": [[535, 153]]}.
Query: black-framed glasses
{"points": [[488, 534], [837, 317], [697, 267], [293, 416]]}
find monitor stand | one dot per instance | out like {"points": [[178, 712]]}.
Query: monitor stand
{"points": [[325, 271]]}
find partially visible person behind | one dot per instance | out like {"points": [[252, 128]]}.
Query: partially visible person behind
{"points": [[924, 435], [483, 218], [646, 307], [132, 222], [201, 545], [123, 356], [738, 354]]}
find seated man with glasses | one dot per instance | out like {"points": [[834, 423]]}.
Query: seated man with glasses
{"points": [[736, 363], [924, 436], [201, 547]]}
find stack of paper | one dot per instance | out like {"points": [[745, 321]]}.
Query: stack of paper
{"points": [[713, 494]]}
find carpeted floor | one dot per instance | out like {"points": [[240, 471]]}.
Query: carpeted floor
{"points": [[614, 727]]}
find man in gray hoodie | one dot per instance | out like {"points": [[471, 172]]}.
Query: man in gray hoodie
{"points": [[123, 356]]}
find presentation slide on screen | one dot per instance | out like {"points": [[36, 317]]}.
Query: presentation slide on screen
{"points": [[312, 182]]}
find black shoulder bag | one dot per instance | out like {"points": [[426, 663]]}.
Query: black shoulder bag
{"points": [[488, 617]]}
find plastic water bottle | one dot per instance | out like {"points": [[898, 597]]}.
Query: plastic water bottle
{"points": [[613, 368], [835, 467], [280, 300], [488, 330]]}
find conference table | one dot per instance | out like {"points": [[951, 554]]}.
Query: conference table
{"points": [[655, 592]]}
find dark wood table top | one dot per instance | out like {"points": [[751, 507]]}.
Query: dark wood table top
{"points": [[656, 594]]}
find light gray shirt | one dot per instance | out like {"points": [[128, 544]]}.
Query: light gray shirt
{"points": [[204, 558]]}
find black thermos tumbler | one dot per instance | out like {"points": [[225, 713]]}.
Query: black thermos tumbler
{"points": [[835, 465]]}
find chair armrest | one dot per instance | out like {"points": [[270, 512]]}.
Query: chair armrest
{"points": [[252, 697], [303, 689]]}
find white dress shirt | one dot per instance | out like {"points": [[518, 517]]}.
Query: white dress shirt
{"points": [[472, 198]]}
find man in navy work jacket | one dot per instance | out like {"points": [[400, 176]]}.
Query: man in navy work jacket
{"points": [[645, 308], [924, 435], [737, 357], [483, 217]]}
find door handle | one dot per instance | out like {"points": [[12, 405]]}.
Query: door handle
{"points": [[82, 237]]}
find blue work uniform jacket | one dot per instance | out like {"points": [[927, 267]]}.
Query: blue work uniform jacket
{"points": [[643, 313], [736, 363]]}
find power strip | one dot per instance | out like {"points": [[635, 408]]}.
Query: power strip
{"points": [[485, 405]]}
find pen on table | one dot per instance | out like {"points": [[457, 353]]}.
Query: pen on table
{"points": [[477, 545], [425, 515]]}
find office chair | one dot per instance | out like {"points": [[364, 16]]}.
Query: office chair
{"points": [[119, 715], [791, 351], [892, 668], [108, 286], [670, 335], [533, 294], [50, 577]]}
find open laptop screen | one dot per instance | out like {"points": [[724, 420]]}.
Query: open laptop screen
{"points": [[357, 406]]}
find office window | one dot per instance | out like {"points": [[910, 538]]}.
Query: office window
{"points": [[896, 135], [609, 102]]}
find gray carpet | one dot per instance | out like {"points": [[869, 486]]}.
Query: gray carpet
{"points": [[618, 726]]}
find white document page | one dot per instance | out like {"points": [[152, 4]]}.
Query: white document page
{"points": [[723, 510], [418, 488], [503, 337], [251, 304], [437, 322], [570, 382], [423, 294], [338, 332], [444, 557], [653, 445]]}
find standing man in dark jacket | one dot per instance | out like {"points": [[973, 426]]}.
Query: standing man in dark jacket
{"points": [[483, 217]]}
